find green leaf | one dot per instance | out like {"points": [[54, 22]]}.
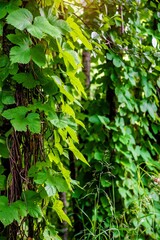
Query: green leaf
{"points": [[38, 55], [59, 182], [7, 98], [4, 65], [40, 177], [63, 25], [34, 210], [4, 61], [58, 207], [61, 122], [35, 31], [117, 62], [20, 18], [3, 9], [20, 39], [27, 80], [98, 155], [66, 175], [3, 202], [109, 56], [15, 112], [104, 182], [20, 54], [50, 233], [2, 182], [7, 216], [17, 117], [50, 187], [21, 208], [77, 153], [33, 122], [4, 152], [20, 121], [151, 107], [44, 26]]}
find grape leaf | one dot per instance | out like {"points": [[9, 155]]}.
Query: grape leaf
{"points": [[38, 55], [20, 18], [26, 79], [20, 54]]}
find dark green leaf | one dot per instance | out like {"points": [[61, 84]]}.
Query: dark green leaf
{"points": [[26, 79], [38, 55]]}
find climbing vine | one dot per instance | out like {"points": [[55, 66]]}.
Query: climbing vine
{"points": [[39, 88], [79, 80]]}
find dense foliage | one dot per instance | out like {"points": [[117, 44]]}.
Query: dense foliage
{"points": [[79, 81]]}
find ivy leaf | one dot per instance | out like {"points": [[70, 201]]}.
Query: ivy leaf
{"points": [[38, 55], [104, 182], [20, 54], [58, 207], [20, 18]]}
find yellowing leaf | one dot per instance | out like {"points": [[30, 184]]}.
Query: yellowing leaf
{"points": [[76, 83], [56, 137], [77, 33], [59, 148], [63, 133], [54, 157], [72, 133], [66, 175], [77, 153], [58, 207], [80, 123], [67, 109]]}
